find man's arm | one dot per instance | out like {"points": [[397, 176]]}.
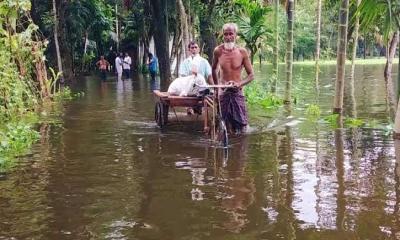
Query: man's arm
{"points": [[247, 67], [208, 72], [210, 80], [215, 65]]}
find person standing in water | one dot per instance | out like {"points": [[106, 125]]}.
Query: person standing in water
{"points": [[229, 61], [103, 64], [118, 66]]}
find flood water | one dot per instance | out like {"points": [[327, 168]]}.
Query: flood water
{"points": [[107, 172]]}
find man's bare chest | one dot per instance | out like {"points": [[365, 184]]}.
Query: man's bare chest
{"points": [[231, 61]]}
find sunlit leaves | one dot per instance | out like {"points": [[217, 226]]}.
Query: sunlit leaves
{"points": [[374, 12]]}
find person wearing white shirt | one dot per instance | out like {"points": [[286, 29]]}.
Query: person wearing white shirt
{"points": [[204, 68], [201, 64], [127, 65], [118, 66]]}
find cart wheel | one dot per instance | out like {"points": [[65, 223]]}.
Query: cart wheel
{"points": [[159, 114], [222, 133], [165, 108]]}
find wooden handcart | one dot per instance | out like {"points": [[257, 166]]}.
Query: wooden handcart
{"points": [[213, 124]]}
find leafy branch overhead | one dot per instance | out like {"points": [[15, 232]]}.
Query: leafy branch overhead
{"points": [[251, 19]]}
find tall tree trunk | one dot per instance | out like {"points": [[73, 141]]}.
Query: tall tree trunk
{"points": [[41, 70], [84, 51], [183, 19], [207, 29], [276, 47], [355, 43], [160, 22], [174, 46], [178, 57], [398, 73], [341, 56], [135, 57], [388, 73], [318, 48], [64, 43], [353, 65], [59, 62], [289, 51], [117, 25], [145, 42]]}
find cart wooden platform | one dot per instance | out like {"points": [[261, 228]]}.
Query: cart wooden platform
{"points": [[213, 125]]}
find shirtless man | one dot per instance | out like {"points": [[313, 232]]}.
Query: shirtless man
{"points": [[103, 64], [231, 59]]}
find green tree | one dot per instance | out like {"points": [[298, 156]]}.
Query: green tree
{"points": [[251, 22]]}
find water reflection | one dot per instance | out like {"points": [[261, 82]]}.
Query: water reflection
{"points": [[236, 188]]}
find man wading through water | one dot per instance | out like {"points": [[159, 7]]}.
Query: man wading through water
{"points": [[231, 59]]}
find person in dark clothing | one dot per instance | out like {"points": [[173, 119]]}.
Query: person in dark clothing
{"points": [[233, 107], [111, 59]]}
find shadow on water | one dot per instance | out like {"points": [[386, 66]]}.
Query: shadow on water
{"points": [[108, 172]]}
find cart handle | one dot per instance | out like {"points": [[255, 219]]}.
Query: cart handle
{"points": [[221, 86]]}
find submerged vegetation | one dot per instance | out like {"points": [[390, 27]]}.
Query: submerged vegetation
{"points": [[25, 83]]}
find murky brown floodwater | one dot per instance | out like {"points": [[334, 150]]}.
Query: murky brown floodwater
{"points": [[107, 172]]}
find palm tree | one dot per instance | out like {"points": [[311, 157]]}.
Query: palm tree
{"points": [[341, 56], [251, 22]]}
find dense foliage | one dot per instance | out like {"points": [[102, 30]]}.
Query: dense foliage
{"points": [[24, 82]]}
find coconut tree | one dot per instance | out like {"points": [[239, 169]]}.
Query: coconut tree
{"points": [[251, 22], [341, 56]]}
